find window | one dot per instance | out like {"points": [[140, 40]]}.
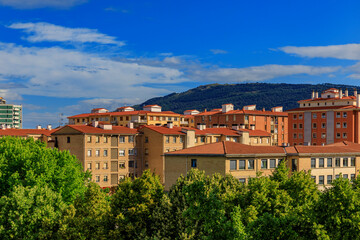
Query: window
{"points": [[167, 139], [300, 116], [352, 176], [97, 139], [89, 166], [314, 116], [352, 162], [338, 125], [181, 139], [300, 136], [329, 179], [263, 163], [174, 139], [337, 162], [241, 164], [89, 153], [313, 162], [323, 125], [321, 162], [323, 135], [345, 162], [105, 152], [242, 180], [121, 139], [68, 139], [122, 152], [251, 164], [131, 164], [321, 179], [146, 139], [344, 115], [97, 165], [294, 116], [131, 139], [294, 126], [97, 153], [346, 176], [233, 164], [344, 125], [121, 165], [338, 115], [338, 135], [329, 162], [294, 136], [300, 125], [344, 135], [105, 178], [202, 139], [131, 151], [97, 178], [105, 166], [314, 135], [272, 163], [88, 139], [193, 163], [314, 125], [323, 115], [105, 139]]}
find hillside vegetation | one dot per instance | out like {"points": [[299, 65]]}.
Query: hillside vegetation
{"points": [[264, 95]]}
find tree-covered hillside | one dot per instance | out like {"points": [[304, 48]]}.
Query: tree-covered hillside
{"points": [[264, 95]]}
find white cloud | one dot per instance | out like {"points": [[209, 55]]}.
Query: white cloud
{"points": [[31, 4], [258, 73], [172, 60], [10, 95], [346, 51], [218, 51], [59, 72], [41, 31]]}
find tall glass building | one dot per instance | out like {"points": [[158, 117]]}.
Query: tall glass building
{"points": [[10, 115]]}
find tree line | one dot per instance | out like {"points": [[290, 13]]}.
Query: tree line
{"points": [[46, 195]]}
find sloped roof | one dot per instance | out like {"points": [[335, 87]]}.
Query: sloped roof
{"points": [[25, 132], [96, 130]]}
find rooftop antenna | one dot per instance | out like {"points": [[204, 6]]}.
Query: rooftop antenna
{"points": [[61, 119]]}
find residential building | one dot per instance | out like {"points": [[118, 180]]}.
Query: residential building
{"points": [[109, 152], [244, 161], [274, 122], [43, 135], [326, 119], [150, 115], [10, 115]]}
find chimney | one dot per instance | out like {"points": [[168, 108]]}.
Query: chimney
{"points": [[355, 92], [95, 123], [346, 92], [245, 138], [263, 110], [190, 137], [130, 125], [341, 94], [170, 124], [38, 127], [227, 107], [49, 127], [316, 94], [252, 127], [313, 94]]}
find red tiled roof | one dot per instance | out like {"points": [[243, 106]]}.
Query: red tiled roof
{"points": [[250, 112], [97, 130], [323, 107], [154, 105], [226, 147], [170, 113], [324, 99], [190, 110], [25, 132], [98, 108], [341, 147]]}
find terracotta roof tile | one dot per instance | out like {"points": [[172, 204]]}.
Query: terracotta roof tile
{"points": [[25, 132], [97, 130]]}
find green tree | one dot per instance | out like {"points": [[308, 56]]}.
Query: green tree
{"points": [[29, 163], [87, 218], [30, 213], [132, 206]]}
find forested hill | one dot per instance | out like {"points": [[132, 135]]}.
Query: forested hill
{"points": [[264, 95]]}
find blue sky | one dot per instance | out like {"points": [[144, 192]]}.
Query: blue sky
{"points": [[68, 56]]}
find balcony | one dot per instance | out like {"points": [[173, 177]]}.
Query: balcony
{"points": [[184, 122], [16, 113], [139, 121]]}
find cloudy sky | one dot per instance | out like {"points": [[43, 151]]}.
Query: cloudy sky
{"points": [[68, 56]]}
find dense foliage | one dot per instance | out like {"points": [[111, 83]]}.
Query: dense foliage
{"points": [[264, 95], [198, 206]]}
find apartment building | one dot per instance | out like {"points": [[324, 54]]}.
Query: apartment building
{"points": [[150, 115], [10, 115], [109, 152], [329, 118], [274, 122], [43, 135], [158, 140], [244, 161]]}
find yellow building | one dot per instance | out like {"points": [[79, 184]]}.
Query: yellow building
{"points": [[244, 161], [43, 135], [109, 152], [150, 115]]}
